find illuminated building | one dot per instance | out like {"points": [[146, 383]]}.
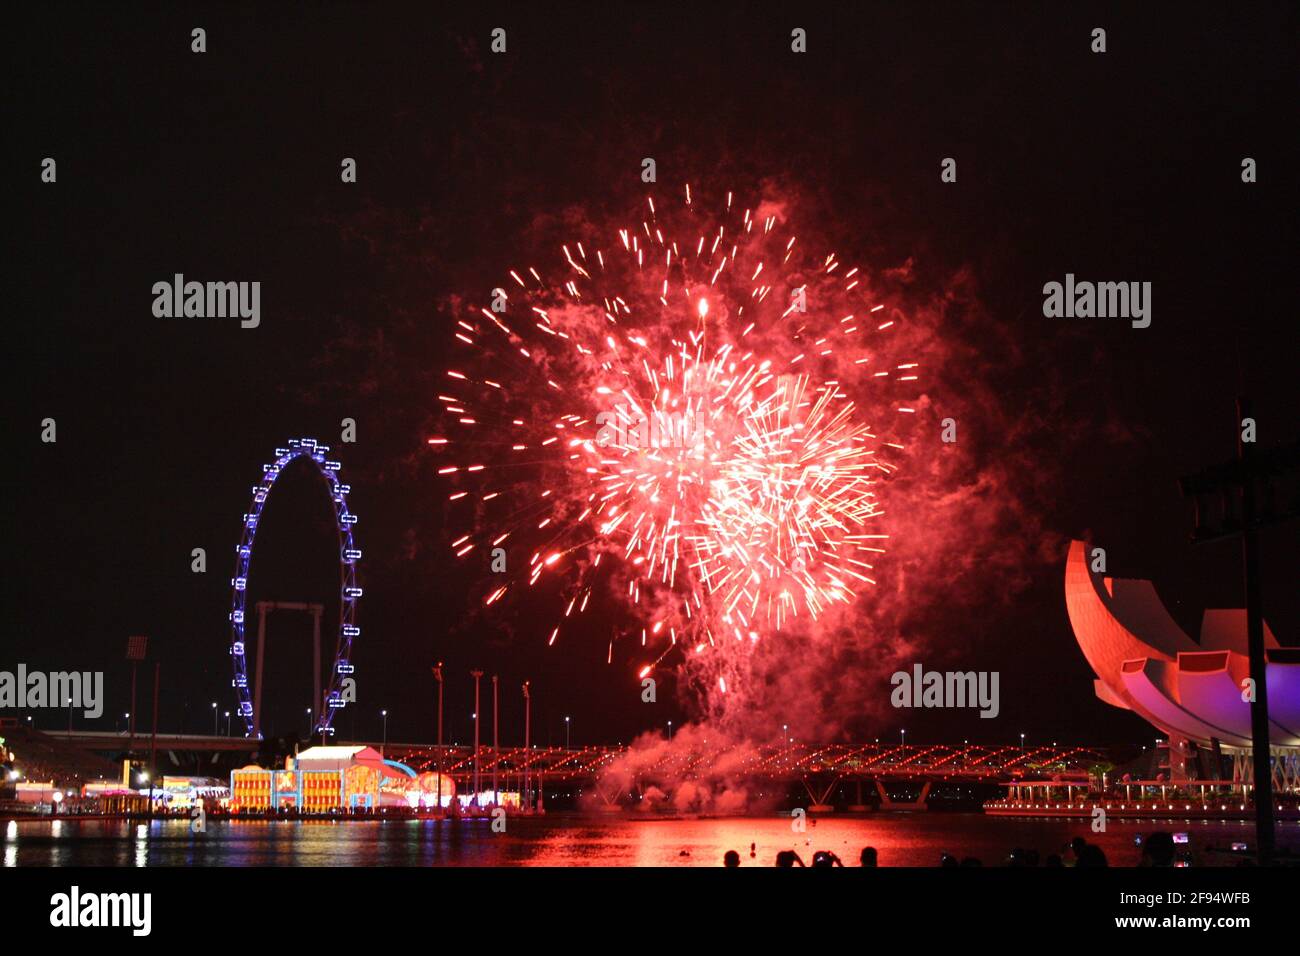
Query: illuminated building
{"points": [[1196, 693], [322, 779]]}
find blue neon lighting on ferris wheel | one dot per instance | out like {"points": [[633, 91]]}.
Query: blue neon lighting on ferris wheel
{"points": [[310, 450]]}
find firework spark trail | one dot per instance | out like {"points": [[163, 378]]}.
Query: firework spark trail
{"points": [[690, 402]]}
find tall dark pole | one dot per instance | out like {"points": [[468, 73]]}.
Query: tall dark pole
{"points": [[136, 646], [439, 705], [130, 745], [1259, 736], [153, 743], [437, 675], [477, 713], [496, 743], [262, 608], [528, 707], [1215, 491], [316, 610]]}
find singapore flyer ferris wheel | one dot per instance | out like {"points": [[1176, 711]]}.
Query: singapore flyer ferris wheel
{"points": [[334, 697]]}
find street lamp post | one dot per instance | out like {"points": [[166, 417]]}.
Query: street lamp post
{"points": [[1022, 741], [903, 732], [496, 743], [670, 730], [214, 718], [227, 723], [528, 707], [437, 675], [308, 724], [566, 733], [384, 745], [476, 674]]}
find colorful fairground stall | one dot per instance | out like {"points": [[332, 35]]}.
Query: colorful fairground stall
{"points": [[323, 779]]}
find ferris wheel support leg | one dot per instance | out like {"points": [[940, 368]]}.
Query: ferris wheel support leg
{"points": [[257, 674], [319, 703]]}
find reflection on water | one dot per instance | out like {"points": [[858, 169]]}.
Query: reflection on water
{"points": [[562, 840]]}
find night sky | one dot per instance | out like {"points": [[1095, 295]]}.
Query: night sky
{"points": [[225, 166]]}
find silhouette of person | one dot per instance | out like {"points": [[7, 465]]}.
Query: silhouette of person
{"points": [[786, 859], [825, 859], [1092, 855], [868, 856], [1158, 850], [731, 859]]}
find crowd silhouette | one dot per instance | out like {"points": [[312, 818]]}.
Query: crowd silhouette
{"points": [[1158, 850]]}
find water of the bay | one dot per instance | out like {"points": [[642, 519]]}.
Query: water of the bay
{"points": [[908, 839]]}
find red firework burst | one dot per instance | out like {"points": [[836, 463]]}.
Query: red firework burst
{"points": [[698, 415]]}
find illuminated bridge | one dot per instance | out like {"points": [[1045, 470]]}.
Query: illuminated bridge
{"points": [[819, 768], [974, 762], [934, 762], [613, 772]]}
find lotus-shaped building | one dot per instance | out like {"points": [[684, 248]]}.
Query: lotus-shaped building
{"points": [[1195, 692]]}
